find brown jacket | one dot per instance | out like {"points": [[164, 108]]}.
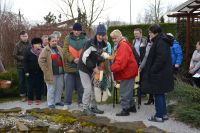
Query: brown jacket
{"points": [[45, 63]]}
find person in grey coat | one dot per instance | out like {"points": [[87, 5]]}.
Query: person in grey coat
{"points": [[142, 64]]}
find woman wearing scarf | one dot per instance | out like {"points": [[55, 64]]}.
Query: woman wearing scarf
{"points": [[33, 72]]}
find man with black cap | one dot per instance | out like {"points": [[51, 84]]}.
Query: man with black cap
{"points": [[88, 65], [73, 46], [33, 72]]}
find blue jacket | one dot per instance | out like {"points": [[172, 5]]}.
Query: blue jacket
{"points": [[176, 53], [108, 48]]}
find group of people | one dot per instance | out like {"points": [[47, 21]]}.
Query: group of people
{"points": [[73, 65]]}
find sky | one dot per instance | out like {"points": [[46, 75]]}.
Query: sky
{"points": [[115, 10]]}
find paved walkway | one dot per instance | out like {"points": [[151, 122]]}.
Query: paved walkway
{"points": [[143, 113]]}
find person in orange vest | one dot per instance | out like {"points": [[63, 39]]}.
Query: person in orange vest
{"points": [[73, 46]]}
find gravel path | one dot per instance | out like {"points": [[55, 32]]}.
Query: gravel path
{"points": [[143, 113]]}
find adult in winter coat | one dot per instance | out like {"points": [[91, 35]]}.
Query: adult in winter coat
{"points": [[18, 53], [139, 45], [33, 71], [158, 73], [176, 54], [124, 68], [73, 46], [195, 64], [88, 65], [51, 62], [148, 47]]}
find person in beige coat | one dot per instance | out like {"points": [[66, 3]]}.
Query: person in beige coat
{"points": [[51, 63]]}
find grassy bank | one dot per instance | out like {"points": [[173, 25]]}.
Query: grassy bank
{"points": [[187, 105]]}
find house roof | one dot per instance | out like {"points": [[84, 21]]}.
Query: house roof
{"points": [[190, 7]]}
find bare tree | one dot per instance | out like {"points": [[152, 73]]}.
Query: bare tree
{"points": [[153, 12], [157, 11], [139, 18], [10, 26], [91, 8], [148, 16], [169, 9]]}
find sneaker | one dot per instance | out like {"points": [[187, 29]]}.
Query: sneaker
{"points": [[165, 117], [132, 109], [80, 105], [96, 110], [30, 102], [88, 112], [60, 104], [124, 112], [66, 107], [52, 106], [23, 99], [155, 119]]}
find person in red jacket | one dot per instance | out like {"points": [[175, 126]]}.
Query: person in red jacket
{"points": [[125, 69]]}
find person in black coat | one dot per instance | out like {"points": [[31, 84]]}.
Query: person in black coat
{"points": [[33, 72], [158, 72]]}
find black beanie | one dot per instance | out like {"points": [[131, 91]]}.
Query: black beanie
{"points": [[36, 41], [77, 26], [101, 30]]}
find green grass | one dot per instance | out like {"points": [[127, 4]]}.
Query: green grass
{"points": [[187, 108]]}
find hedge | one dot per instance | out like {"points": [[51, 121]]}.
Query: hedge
{"points": [[13, 90], [127, 30]]}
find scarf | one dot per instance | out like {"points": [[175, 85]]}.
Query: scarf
{"points": [[36, 51]]}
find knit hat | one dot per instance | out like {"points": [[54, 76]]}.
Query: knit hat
{"points": [[101, 30], [77, 26], [36, 41]]}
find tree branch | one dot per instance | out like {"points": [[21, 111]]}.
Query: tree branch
{"points": [[99, 12], [84, 7]]}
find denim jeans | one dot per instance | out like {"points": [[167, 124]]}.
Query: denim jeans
{"points": [[55, 90], [73, 82], [22, 82], [160, 105]]}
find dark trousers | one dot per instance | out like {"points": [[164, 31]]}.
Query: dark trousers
{"points": [[160, 105], [72, 82], [44, 90], [126, 93], [197, 82], [175, 71], [22, 82], [35, 86]]}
